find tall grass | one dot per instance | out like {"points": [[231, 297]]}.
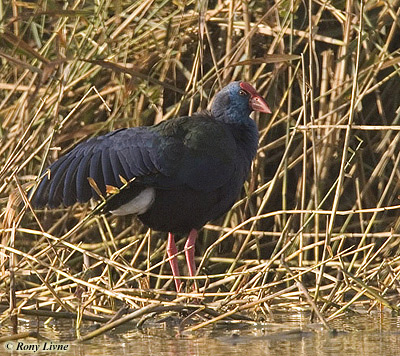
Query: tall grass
{"points": [[317, 226]]}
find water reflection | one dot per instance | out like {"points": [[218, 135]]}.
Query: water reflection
{"points": [[289, 334]]}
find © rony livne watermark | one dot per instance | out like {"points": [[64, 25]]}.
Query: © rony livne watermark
{"points": [[35, 347]]}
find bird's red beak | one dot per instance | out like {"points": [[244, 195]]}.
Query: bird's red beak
{"points": [[257, 102]]}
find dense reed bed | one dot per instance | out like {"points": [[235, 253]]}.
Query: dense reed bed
{"points": [[317, 226]]}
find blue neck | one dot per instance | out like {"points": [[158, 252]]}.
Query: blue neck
{"points": [[246, 136], [233, 114]]}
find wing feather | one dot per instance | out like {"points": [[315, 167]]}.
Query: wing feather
{"points": [[57, 179], [69, 192], [107, 168], [41, 196], [117, 168], [127, 173], [83, 189], [96, 173]]}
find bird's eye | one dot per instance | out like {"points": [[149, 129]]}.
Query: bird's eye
{"points": [[242, 92]]}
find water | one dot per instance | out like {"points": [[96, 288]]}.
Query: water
{"points": [[289, 334]]}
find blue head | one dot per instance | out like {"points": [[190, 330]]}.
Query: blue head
{"points": [[235, 102]]}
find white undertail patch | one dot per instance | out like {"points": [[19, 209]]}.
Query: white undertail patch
{"points": [[138, 205]]}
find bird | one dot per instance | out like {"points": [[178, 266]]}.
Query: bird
{"points": [[179, 174]]}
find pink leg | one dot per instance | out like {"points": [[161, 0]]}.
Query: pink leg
{"points": [[171, 252], [189, 252]]}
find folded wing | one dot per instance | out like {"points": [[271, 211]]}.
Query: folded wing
{"points": [[179, 152]]}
